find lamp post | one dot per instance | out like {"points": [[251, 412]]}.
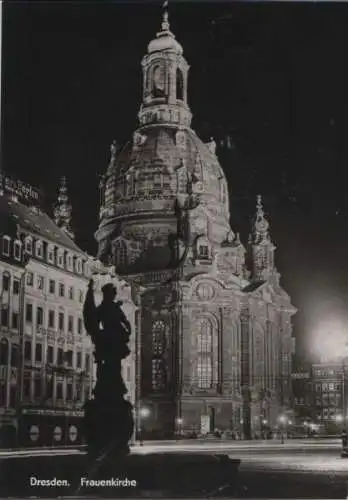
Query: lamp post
{"points": [[179, 424], [142, 414], [282, 421]]}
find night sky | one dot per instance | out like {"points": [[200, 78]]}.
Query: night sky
{"points": [[272, 77]]}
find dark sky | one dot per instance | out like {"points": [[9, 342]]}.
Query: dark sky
{"points": [[272, 76]]}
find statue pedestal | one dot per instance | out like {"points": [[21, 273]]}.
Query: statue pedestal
{"points": [[109, 427]]}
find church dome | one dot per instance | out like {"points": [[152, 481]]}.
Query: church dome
{"points": [[165, 41], [165, 164]]}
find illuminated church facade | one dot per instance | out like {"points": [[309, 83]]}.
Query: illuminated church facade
{"points": [[214, 338]]}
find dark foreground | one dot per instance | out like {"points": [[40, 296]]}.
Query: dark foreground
{"points": [[173, 475]]}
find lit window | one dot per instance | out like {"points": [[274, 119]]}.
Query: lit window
{"points": [[6, 245], [204, 371], [331, 387], [205, 354]]}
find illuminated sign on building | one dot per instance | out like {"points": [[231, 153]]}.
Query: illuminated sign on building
{"points": [[19, 188]]}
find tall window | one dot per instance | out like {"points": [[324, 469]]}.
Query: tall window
{"points": [[29, 246], [61, 290], [30, 279], [60, 356], [158, 337], [40, 282], [16, 287], [14, 355], [79, 326], [4, 316], [179, 85], [87, 363], [205, 354], [15, 320], [38, 352], [39, 316], [158, 374], [61, 321], [121, 252], [70, 324], [6, 282], [49, 354], [51, 317], [52, 286], [27, 350], [71, 293], [4, 352], [50, 254], [17, 250], [6, 245], [29, 313], [39, 249], [59, 390], [78, 359]]}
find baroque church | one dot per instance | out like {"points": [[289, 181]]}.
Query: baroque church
{"points": [[214, 338]]}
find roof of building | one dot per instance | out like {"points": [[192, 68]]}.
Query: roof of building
{"points": [[253, 286], [13, 213]]}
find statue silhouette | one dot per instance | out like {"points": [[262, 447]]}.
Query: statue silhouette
{"points": [[108, 421]]}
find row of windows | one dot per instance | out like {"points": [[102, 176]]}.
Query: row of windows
{"points": [[41, 250], [55, 356], [324, 373], [53, 288], [325, 387], [328, 399], [52, 319]]}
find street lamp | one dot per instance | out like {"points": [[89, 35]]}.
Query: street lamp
{"points": [[282, 420], [143, 413], [179, 423]]}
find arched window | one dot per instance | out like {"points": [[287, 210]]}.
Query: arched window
{"points": [[4, 352], [179, 85], [158, 337], [205, 354], [158, 81], [121, 253]]}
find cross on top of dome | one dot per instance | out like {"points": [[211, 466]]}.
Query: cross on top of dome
{"points": [[165, 40]]}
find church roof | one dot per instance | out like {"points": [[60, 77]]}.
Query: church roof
{"points": [[13, 213], [160, 147], [253, 286]]}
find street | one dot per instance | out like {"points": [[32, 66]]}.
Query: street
{"points": [[306, 469]]}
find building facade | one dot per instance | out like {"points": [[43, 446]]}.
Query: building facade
{"points": [[215, 337], [330, 396], [46, 358]]}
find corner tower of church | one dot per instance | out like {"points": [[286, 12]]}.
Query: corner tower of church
{"points": [[205, 357]]}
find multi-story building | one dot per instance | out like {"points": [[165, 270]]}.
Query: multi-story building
{"points": [[216, 338], [302, 388], [330, 395], [46, 363]]}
